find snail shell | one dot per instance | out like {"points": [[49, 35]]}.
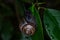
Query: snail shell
{"points": [[28, 29]]}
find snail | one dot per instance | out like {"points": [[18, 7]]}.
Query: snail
{"points": [[28, 24], [28, 29]]}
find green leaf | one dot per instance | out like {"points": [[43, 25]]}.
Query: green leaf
{"points": [[39, 30], [52, 23], [7, 30]]}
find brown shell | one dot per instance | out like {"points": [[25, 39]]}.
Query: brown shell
{"points": [[30, 31]]}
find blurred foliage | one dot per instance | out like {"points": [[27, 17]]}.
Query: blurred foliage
{"points": [[52, 23], [39, 32], [12, 12]]}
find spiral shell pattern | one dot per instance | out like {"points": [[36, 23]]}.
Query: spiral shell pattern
{"points": [[28, 29]]}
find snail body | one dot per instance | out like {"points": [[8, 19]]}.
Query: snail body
{"points": [[28, 25]]}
